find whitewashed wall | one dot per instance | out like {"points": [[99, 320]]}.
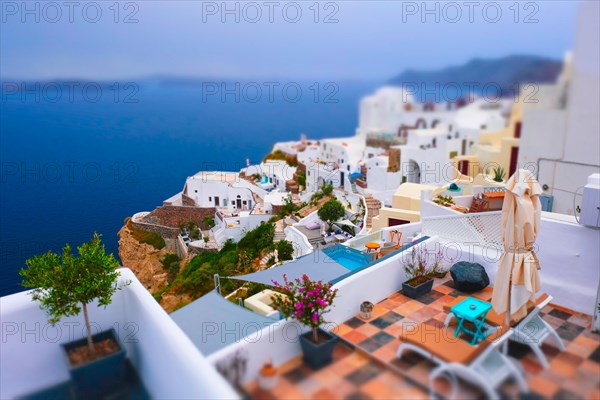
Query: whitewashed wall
{"points": [[167, 361]]}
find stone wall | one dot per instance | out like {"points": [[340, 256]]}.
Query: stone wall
{"points": [[164, 231], [174, 216]]}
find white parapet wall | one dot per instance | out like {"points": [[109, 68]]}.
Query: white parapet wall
{"points": [[567, 252], [168, 363]]}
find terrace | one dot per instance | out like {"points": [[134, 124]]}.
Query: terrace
{"points": [[365, 364]]}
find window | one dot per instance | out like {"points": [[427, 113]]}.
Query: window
{"points": [[195, 191], [210, 199]]}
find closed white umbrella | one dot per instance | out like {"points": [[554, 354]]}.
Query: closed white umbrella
{"points": [[518, 279]]}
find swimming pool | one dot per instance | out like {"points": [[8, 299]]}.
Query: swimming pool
{"points": [[349, 258], [264, 181]]}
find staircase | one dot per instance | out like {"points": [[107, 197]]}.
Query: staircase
{"points": [[279, 236], [373, 206]]}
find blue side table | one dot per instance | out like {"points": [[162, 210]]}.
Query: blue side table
{"points": [[475, 311]]}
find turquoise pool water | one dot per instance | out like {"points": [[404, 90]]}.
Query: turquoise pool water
{"points": [[264, 181], [348, 257]]}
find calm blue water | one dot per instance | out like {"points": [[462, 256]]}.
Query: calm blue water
{"points": [[349, 258], [72, 167]]}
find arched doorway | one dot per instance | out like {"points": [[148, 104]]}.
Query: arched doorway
{"points": [[413, 173]]}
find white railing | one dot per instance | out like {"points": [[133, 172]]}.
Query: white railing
{"points": [[299, 241], [484, 229]]}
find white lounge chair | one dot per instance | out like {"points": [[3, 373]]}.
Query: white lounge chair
{"points": [[531, 330], [482, 365]]}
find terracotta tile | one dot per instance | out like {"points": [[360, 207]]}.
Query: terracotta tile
{"points": [[581, 320], [341, 330], [586, 342], [390, 304], [324, 394], [326, 376], [424, 314], [368, 330], [285, 390], [400, 298], [387, 352], [378, 311], [354, 337], [531, 365], [553, 321], [590, 367], [308, 386], [356, 360], [291, 364], [376, 389], [394, 329], [579, 350], [343, 388], [544, 387], [341, 351], [562, 368], [444, 289], [393, 380], [409, 307], [342, 368]]}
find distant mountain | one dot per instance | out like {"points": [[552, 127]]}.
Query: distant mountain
{"points": [[501, 75]]}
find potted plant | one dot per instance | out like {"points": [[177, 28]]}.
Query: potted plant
{"points": [[437, 269], [65, 285], [418, 273], [306, 301], [499, 174], [267, 376]]}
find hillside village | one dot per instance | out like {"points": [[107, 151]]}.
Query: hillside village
{"points": [[405, 158]]}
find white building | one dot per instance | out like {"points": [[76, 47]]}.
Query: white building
{"points": [[560, 137]]}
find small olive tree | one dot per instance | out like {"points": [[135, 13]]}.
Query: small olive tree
{"points": [[331, 211], [65, 284]]}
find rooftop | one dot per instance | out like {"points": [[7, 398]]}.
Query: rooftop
{"points": [[365, 364]]}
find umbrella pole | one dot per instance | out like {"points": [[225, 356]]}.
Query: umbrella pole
{"points": [[505, 345]]}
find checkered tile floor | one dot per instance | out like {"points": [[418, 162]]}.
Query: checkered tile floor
{"points": [[365, 363]]}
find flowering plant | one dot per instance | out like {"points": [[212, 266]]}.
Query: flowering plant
{"points": [[304, 300], [417, 266]]}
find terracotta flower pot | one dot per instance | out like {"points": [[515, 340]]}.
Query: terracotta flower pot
{"points": [[267, 377]]}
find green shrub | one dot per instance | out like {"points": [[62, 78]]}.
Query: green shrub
{"points": [[209, 222], [151, 238], [171, 263], [285, 250]]}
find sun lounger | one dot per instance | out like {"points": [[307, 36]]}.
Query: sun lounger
{"points": [[482, 365], [531, 330]]}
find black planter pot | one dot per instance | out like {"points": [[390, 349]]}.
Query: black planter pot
{"points": [[317, 355], [100, 375], [414, 292]]}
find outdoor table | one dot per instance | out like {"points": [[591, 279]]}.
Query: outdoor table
{"points": [[475, 311], [372, 246]]}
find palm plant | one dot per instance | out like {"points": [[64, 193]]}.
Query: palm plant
{"points": [[499, 174]]}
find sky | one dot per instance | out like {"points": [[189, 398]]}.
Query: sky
{"points": [[354, 40]]}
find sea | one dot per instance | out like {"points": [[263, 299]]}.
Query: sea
{"points": [[78, 157]]}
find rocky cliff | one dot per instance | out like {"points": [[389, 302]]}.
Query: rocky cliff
{"points": [[144, 260]]}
